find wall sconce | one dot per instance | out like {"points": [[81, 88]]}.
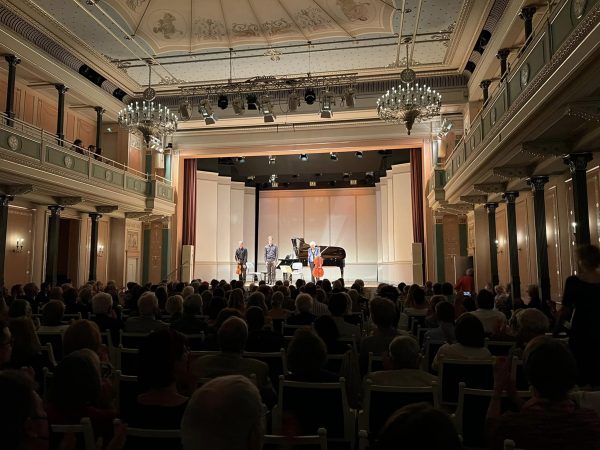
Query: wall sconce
{"points": [[574, 227], [19, 247], [499, 246], [100, 250]]}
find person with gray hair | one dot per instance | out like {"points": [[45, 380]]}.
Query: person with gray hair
{"points": [[529, 323], [303, 316], [104, 316], [405, 360], [190, 321], [174, 307], [224, 414], [232, 337], [187, 291], [146, 322]]}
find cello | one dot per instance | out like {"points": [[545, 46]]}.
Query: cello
{"points": [[318, 271]]}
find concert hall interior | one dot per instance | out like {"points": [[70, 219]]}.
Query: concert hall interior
{"points": [[187, 183]]}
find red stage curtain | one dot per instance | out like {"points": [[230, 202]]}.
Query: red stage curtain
{"points": [[189, 202], [416, 192]]}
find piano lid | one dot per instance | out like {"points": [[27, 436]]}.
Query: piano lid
{"points": [[329, 253]]}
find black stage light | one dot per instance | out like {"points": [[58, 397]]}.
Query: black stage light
{"points": [[242, 159], [333, 156], [252, 101], [303, 157], [223, 102], [359, 155], [310, 96]]}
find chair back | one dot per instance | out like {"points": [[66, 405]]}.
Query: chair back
{"points": [[380, 402], [334, 363], [518, 374], [82, 430], [351, 341], [431, 348], [289, 330], [421, 334], [195, 341], [274, 442], [126, 389], [48, 353], [275, 360], [415, 322], [471, 413], [151, 439], [375, 363], [131, 340], [127, 360], [477, 374], [310, 406], [250, 266], [54, 338], [499, 348]]}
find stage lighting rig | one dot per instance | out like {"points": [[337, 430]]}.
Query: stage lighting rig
{"points": [[239, 107], [359, 155], [252, 101], [303, 157], [223, 101], [333, 156], [207, 112], [185, 110], [327, 100], [310, 96], [267, 109], [293, 102]]}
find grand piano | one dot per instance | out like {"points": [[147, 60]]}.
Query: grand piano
{"points": [[332, 256]]}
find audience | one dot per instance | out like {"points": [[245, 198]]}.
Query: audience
{"points": [[406, 362], [83, 334], [303, 316], [190, 322], [146, 321], [103, 316], [339, 306], [52, 316], [529, 323], [26, 348], [419, 306], [306, 357], [327, 330], [261, 339], [224, 414], [6, 344], [493, 320], [444, 313], [470, 342], [174, 307]]}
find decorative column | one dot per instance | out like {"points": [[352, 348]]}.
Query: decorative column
{"points": [[148, 163], [503, 56], [485, 85], [526, 14], [99, 112], [4, 201], [53, 237], [168, 162], [13, 61], [513, 249], [165, 257], [541, 242], [577, 163], [146, 240], [60, 122], [440, 269], [95, 217], [491, 211]]}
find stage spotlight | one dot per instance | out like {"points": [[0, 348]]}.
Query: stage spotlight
{"points": [[445, 128], [274, 184], [349, 98], [327, 99], [271, 159], [303, 157], [207, 112], [223, 102], [346, 176], [310, 96], [267, 109], [369, 177], [242, 159], [333, 156], [185, 111], [239, 107], [312, 183], [293, 102], [353, 182], [359, 155], [252, 102]]}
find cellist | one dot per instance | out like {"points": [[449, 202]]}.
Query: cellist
{"points": [[313, 252]]}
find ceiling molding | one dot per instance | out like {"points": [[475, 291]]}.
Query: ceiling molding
{"points": [[16, 189], [106, 209], [543, 149], [474, 199], [588, 110], [68, 201], [510, 172], [490, 188]]}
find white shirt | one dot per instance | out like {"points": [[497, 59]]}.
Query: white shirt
{"points": [[459, 351], [492, 319]]}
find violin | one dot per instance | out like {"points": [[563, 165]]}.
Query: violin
{"points": [[318, 271]]}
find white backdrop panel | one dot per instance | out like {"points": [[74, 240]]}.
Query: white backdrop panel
{"points": [[237, 216], [343, 225], [268, 224], [291, 222], [316, 220], [366, 231], [206, 221], [249, 220]]}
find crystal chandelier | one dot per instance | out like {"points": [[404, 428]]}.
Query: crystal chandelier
{"points": [[409, 102], [147, 116]]}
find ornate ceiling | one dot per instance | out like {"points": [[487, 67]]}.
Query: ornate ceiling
{"points": [[190, 39]]}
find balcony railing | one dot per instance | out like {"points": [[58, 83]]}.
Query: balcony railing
{"points": [[31, 142]]}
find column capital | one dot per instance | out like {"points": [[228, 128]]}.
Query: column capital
{"points": [[55, 210], [99, 110], [527, 12], [6, 199], [537, 183], [12, 60], [510, 196], [503, 53], [577, 161], [95, 216], [491, 207], [61, 88], [485, 84]]}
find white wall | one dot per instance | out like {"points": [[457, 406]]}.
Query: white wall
{"points": [[338, 217]]}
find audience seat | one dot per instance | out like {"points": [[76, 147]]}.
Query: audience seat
{"points": [[509, 444], [376, 362], [274, 442], [518, 374], [48, 353], [431, 348], [276, 361], [380, 402], [414, 322], [126, 392], [421, 334], [477, 374], [470, 416], [195, 341], [83, 429], [307, 407], [55, 338], [334, 363], [141, 438], [289, 330], [126, 360], [500, 348], [131, 340]]}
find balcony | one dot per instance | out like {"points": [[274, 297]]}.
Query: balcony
{"points": [[34, 156]]}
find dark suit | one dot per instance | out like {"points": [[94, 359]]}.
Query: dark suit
{"points": [[241, 257]]}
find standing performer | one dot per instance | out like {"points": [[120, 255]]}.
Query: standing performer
{"points": [[241, 258], [313, 252], [271, 254]]}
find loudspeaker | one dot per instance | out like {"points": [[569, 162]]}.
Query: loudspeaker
{"points": [[417, 263], [187, 263]]}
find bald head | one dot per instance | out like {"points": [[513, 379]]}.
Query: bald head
{"points": [[233, 334], [224, 414]]}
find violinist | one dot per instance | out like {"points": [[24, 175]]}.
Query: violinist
{"points": [[241, 258], [313, 252]]}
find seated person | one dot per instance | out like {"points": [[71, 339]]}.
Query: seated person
{"points": [[303, 316], [19, 308], [406, 362], [327, 330], [6, 343], [306, 357], [163, 360], [418, 426], [174, 307], [493, 320], [277, 311], [232, 337], [470, 342], [549, 420], [261, 339], [146, 322], [190, 323], [431, 321], [339, 307], [26, 348], [104, 316], [444, 313], [419, 306], [52, 316], [529, 323]]}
